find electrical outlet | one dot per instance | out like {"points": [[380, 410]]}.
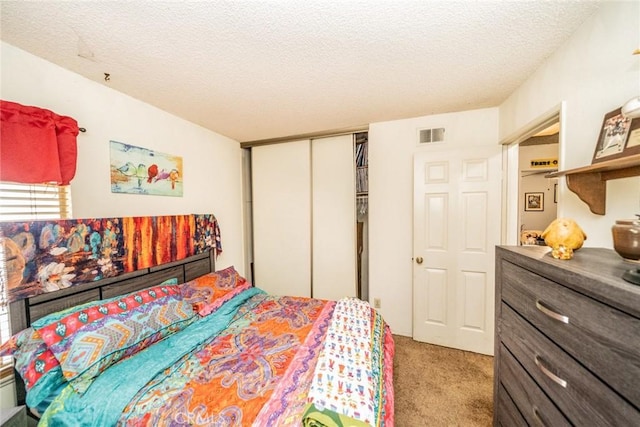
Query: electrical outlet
{"points": [[376, 303]]}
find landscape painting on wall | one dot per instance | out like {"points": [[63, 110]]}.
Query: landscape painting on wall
{"points": [[138, 170]]}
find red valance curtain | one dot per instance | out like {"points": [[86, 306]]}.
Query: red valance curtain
{"points": [[36, 145]]}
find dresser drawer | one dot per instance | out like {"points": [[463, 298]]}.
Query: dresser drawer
{"points": [[602, 338], [507, 414], [534, 406], [582, 398]]}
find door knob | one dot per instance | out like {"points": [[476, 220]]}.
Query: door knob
{"points": [[419, 260]]}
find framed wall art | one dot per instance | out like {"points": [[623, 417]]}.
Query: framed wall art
{"points": [[633, 139], [138, 170], [534, 201], [613, 137]]}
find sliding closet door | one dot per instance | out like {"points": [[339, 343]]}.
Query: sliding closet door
{"points": [[281, 181], [334, 218]]}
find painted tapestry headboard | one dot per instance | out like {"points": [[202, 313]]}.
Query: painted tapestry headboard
{"points": [[48, 256]]}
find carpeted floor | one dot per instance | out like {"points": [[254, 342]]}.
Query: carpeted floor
{"points": [[439, 386]]}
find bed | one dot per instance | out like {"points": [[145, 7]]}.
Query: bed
{"points": [[184, 344]]}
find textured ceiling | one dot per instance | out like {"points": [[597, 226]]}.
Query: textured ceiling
{"points": [[263, 69]]}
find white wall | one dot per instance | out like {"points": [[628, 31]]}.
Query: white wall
{"points": [[391, 149], [212, 163], [594, 72]]}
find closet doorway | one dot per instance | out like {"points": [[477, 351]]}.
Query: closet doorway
{"points": [[308, 216], [361, 143]]}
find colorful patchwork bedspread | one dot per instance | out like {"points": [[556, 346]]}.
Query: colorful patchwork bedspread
{"points": [[258, 360]]}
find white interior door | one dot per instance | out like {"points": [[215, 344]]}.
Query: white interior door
{"points": [[456, 227], [281, 181], [334, 218]]}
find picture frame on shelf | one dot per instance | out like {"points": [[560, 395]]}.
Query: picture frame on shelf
{"points": [[632, 145], [613, 138], [534, 201]]}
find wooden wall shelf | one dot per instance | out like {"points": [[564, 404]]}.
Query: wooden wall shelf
{"points": [[590, 182]]}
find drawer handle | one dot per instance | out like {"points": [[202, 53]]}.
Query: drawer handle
{"points": [[536, 413], [557, 316], [556, 379]]}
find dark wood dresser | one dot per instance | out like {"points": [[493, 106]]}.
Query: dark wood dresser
{"points": [[567, 345]]}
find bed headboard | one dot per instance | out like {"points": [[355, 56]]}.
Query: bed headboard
{"points": [[25, 311]]}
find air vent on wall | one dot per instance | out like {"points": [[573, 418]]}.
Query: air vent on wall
{"points": [[428, 136]]}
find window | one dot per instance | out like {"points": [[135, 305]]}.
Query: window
{"points": [[23, 202], [26, 202]]}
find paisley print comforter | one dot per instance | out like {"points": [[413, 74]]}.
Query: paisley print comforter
{"points": [[251, 362]]}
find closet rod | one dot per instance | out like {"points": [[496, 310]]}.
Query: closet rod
{"points": [[311, 135]]}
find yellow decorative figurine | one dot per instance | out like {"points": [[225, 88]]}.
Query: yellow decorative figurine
{"points": [[564, 236]]}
